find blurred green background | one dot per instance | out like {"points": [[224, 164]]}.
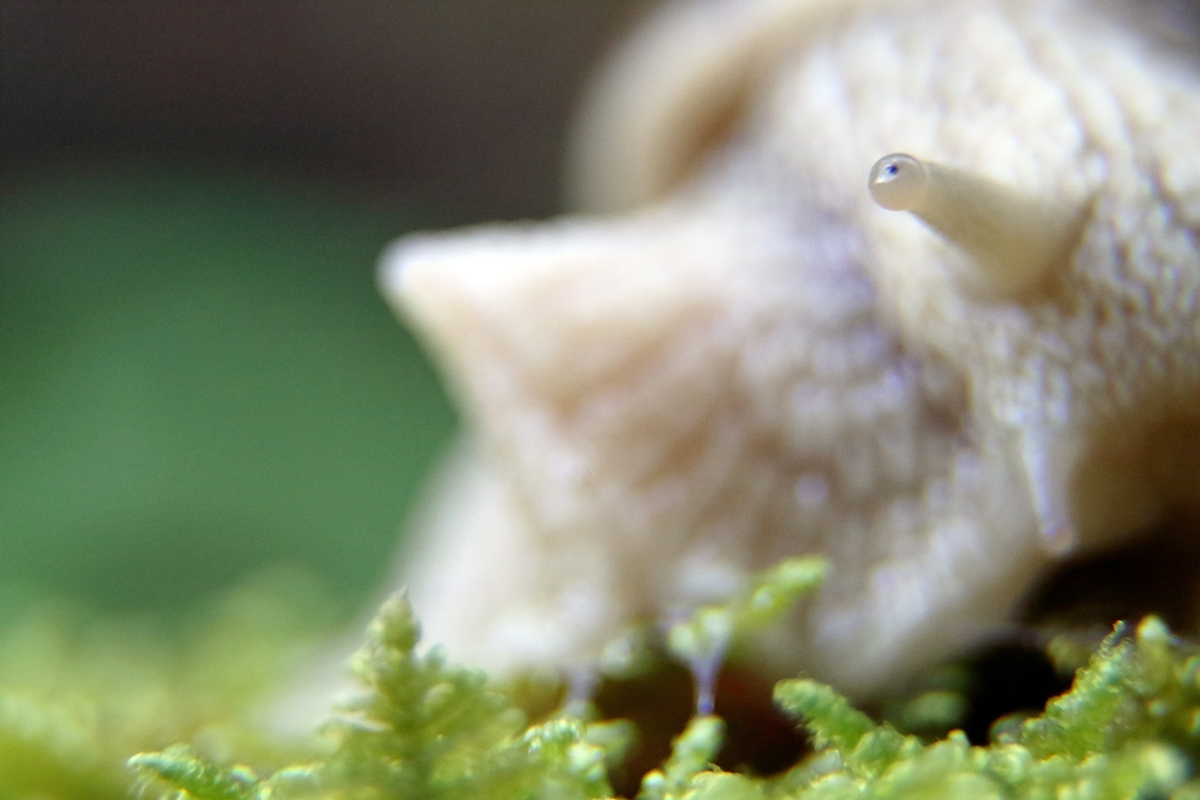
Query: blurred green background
{"points": [[199, 379], [197, 376]]}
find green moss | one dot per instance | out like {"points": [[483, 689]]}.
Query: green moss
{"points": [[423, 729], [79, 692]]}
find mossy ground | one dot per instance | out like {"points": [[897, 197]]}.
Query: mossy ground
{"points": [[425, 728], [80, 692]]}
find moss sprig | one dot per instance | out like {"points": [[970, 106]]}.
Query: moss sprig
{"points": [[423, 728]]}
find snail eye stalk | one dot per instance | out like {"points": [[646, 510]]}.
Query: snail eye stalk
{"points": [[1013, 239]]}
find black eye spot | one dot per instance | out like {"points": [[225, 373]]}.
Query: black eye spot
{"points": [[897, 182]]}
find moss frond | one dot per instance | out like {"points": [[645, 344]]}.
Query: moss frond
{"points": [[692, 754], [770, 596], [423, 728]]}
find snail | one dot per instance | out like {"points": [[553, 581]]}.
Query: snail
{"points": [[945, 370]]}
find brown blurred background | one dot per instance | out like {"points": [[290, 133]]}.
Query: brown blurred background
{"points": [[457, 106]]}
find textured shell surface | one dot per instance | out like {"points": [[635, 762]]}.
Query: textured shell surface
{"points": [[738, 356]]}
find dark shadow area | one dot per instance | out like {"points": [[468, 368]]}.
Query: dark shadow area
{"points": [[759, 739], [1008, 679], [1158, 573]]}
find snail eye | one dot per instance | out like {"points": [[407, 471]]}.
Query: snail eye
{"points": [[898, 182]]}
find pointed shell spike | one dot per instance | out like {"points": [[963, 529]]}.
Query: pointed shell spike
{"points": [[1047, 468], [1014, 239]]}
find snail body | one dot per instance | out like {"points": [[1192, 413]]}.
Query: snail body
{"points": [[746, 357]]}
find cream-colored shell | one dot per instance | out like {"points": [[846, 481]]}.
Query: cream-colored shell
{"points": [[748, 359]]}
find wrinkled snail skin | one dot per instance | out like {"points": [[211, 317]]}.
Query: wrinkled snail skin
{"points": [[761, 360]]}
